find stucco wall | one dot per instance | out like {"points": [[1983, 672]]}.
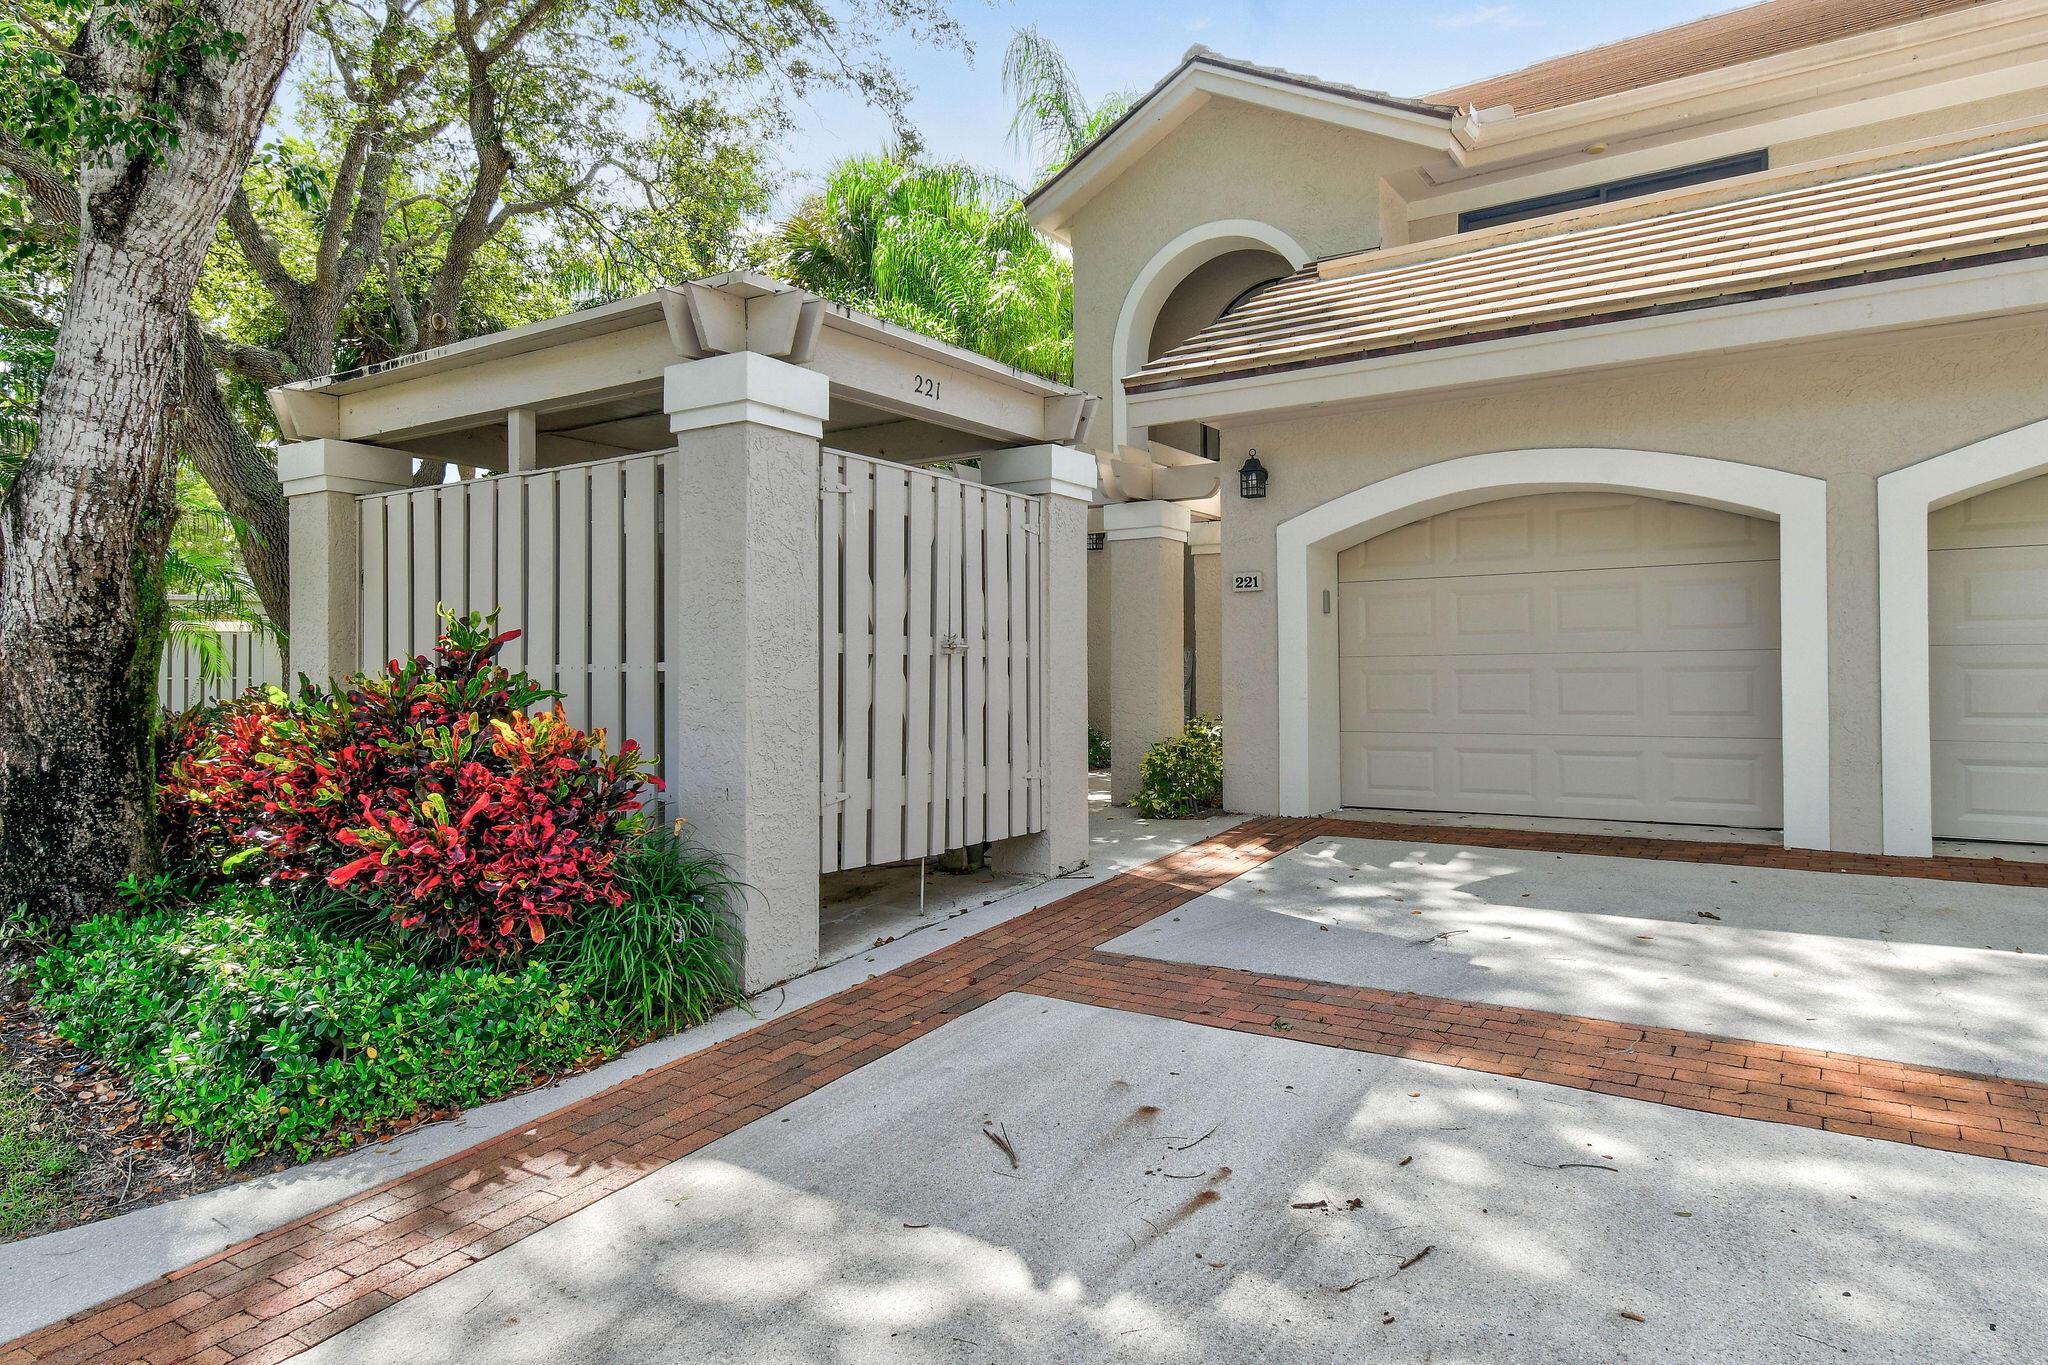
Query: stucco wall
{"points": [[1098, 640], [1317, 183], [1846, 415]]}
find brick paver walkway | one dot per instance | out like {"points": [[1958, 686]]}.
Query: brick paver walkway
{"points": [[276, 1295]]}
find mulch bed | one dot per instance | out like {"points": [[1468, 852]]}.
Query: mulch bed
{"points": [[129, 1164]]}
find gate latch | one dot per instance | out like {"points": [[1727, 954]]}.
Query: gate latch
{"points": [[953, 644]]}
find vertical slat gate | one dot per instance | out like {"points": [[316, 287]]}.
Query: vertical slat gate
{"points": [[930, 611]]}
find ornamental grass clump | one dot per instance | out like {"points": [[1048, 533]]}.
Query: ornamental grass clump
{"points": [[428, 791]]}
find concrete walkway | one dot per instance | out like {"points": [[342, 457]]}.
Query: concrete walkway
{"points": [[44, 1279], [1206, 1154]]}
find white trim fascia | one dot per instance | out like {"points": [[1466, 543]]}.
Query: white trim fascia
{"points": [[1905, 499], [1053, 206], [1308, 544], [2007, 288], [1056, 469], [1155, 282], [1146, 520], [1695, 142], [1918, 46], [326, 465]]}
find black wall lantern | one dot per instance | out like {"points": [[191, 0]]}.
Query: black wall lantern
{"points": [[1251, 476]]}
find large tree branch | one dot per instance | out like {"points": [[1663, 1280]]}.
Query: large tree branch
{"points": [[258, 364], [51, 195], [561, 198], [342, 208], [262, 252], [401, 306], [240, 474]]}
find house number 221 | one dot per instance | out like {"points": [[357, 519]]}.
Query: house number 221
{"points": [[925, 387]]}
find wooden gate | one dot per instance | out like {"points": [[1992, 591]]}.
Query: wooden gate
{"points": [[930, 691], [571, 557]]}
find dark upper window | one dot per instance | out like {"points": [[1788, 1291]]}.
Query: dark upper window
{"points": [[1633, 187]]}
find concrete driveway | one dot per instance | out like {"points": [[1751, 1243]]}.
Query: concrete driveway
{"points": [[1192, 1115]]}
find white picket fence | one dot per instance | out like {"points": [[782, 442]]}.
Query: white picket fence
{"points": [[247, 658], [930, 686], [571, 557]]}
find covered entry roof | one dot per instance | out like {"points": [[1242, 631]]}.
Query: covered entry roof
{"points": [[1953, 211], [594, 380]]}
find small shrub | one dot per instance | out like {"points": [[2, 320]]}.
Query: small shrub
{"points": [[1098, 748], [238, 1021], [429, 791], [1182, 776]]}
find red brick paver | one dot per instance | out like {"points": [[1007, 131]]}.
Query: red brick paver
{"points": [[1953, 1111], [280, 1293], [274, 1296], [1995, 871]]}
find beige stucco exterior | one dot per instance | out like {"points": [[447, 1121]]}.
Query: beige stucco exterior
{"points": [[1815, 397], [1846, 415], [1228, 161]]}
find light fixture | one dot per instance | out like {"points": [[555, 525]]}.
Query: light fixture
{"points": [[1097, 539], [1251, 476]]}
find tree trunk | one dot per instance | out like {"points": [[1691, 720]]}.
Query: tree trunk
{"points": [[83, 528], [244, 478]]}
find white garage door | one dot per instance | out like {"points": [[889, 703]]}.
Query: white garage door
{"points": [[1569, 654], [1988, 579]]}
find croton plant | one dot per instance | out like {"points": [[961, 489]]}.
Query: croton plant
{"points": [[435, 790]]}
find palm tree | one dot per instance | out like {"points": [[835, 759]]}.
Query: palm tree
{"points": [[1054, 119], [941, 248]]}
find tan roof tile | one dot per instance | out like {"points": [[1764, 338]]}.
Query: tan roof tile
{"points": [[1708, 44], [1843, 230]]}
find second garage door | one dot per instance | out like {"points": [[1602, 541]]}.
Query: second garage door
{"points": [[1988, 583], [1570, 654]]}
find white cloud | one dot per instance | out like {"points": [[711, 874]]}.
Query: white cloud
{"points": [[1488, 16]]}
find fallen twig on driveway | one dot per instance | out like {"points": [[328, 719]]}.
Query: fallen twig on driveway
{"points": [[1413, 1259]]}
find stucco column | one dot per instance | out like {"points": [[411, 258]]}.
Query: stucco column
{"points": [[1098, 628], [1147, 548], [322, 480], [1205, 564], [741, 586], [1063, 480]]}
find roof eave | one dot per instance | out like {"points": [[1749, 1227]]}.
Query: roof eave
{"points": [[1503, 132], [1203, 76], [1994, 289]]}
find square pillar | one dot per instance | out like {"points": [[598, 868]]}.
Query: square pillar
{"points": [[322, 480], [1147, 549], [1063, 480], [1098, 628], [741, 569], [1205, 564]]}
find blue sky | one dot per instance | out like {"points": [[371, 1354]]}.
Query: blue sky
{"points": [[1404, 48]]}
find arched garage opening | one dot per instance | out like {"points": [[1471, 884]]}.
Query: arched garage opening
{"points": [[1963, 597], [1332, 557]]}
